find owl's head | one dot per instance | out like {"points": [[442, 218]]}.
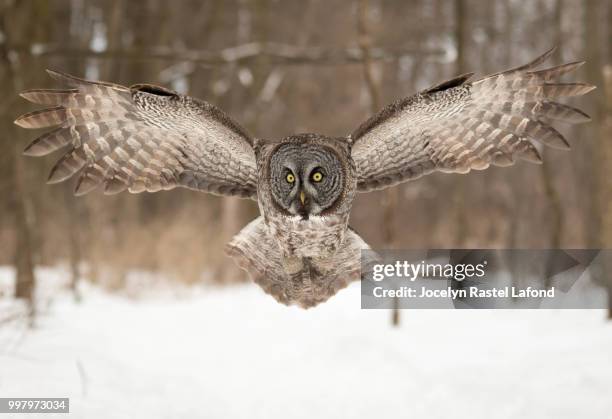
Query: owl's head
{"points": [[307, 174]]}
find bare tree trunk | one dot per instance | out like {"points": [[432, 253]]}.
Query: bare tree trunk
{"points": [[600, 231], [231, 222], [25, 279], [606, 193], [555, 209], [515, 211], [389, 203], [24, 259], [110, 67], [461, 39], [74, 246], [232, 214], [599, 178]]}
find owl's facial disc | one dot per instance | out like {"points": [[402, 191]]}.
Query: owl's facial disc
{"points": [[305, 179]]}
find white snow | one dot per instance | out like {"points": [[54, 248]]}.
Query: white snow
{"points": [[234, 352]]}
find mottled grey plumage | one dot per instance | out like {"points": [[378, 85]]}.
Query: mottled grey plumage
{"points": [[143, 138], [319, 278], [301, 250], [458, 126]]}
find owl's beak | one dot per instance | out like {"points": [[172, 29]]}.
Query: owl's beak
{"points": [[302, 209]]}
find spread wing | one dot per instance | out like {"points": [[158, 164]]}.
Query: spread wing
{"points": [[458, 126], [142, 138]]}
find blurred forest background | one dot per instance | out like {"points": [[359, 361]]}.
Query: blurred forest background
{"points": [[298, 66]]}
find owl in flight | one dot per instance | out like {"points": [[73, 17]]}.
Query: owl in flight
{"points": [[301, 249]]}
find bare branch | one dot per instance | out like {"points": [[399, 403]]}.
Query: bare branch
{"points": [[274, 52]]}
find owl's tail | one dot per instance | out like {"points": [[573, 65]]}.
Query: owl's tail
{"points": [[317, 280]]}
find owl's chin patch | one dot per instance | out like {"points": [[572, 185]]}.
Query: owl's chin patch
{"points": [[305, 212], [299, 211]]}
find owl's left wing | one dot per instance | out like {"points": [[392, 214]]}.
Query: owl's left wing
{"points": [[458, 126], [141, 138]]}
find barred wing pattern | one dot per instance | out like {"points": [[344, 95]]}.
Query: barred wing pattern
{"points": [[142, 138], [458, 126]]}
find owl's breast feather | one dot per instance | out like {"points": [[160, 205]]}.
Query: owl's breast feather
{"points": [[318, 236]]}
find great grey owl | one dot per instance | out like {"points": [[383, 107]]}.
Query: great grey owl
{"points": [[301, 249]]}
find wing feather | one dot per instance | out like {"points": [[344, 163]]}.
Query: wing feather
{"points": [[143, 138], [458, 126]]}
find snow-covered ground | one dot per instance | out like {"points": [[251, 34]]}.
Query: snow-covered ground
{"points": [[234, 352]]}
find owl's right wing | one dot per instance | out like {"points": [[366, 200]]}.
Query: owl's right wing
{"points": [[142, 138], [458, 126]]}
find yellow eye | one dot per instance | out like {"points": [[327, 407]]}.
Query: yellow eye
{"points": [[290, 178], [317, 176]]}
